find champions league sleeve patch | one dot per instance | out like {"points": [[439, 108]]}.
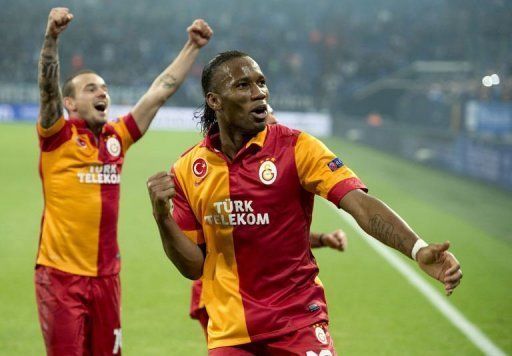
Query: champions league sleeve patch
{"points": [[335, 164]]}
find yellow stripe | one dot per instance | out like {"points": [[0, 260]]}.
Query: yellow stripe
{"points": [[72, 214], [221, 294]]}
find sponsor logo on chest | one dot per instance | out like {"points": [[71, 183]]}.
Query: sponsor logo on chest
{"points": [[234, 213], [100, 174]]}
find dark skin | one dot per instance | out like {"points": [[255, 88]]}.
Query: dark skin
{"points": [[238, 100]]}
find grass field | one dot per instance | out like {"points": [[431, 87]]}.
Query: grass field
{"points": [[373, 309]]}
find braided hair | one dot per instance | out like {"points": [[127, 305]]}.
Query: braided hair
{"points": [[206, 115]]}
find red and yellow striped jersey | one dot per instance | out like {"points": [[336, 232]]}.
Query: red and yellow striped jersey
{"points": [[254, 215], [80, 174]]}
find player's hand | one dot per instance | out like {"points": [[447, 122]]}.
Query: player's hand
{"points": [[440, 264], [199, 33], [336, 240], [161, 191], [58, 20]]}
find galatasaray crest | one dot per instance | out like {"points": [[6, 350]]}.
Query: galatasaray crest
{"points": [[268, 172], [113, 146]]}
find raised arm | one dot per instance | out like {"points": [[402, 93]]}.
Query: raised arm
{"points": [[184, 254], [381, 222], [168, 82], [49, 71]]}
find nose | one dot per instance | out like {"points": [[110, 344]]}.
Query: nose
{"points": [[258, 93], [102, 93]]}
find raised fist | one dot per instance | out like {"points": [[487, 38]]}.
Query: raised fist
{"points": [[161, 191], [58, 20], [199, 33]]}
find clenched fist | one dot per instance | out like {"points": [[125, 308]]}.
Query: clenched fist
{"points": [[58, 20], [336, 240], [161, 191], [199, 33]]}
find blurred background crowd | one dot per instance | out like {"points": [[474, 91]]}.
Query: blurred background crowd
{"points": [[426, 79]]}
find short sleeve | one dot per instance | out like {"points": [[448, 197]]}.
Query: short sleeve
{"points": [[54, 136], [184, 216], [127, 129], [52, 130], [321, 172]]}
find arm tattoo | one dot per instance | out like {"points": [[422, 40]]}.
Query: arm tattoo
{"points": [[167, 81], [385, 232], [51, 101]]}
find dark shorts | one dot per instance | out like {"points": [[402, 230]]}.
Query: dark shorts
{"points": [[79, 315], [313, 340]]}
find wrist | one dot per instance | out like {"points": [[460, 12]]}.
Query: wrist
{"points": [[161, 215], [321, 240], [419, 244], [191, 45]]}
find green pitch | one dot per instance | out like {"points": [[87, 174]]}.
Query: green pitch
{"points": [[373, 309]]}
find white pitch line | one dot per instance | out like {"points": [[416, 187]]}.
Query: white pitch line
{"points": [[478, 338]]}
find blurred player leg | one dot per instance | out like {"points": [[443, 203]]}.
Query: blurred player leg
{"points": [[106, 315], [61, 302]]}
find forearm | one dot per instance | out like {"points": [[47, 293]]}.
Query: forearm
{"points": [[48, 78], [164, 86], [183, 253], [381, 222], [168, 82]]}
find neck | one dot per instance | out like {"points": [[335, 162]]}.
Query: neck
{"points": [[94, 127], [231, 141]]}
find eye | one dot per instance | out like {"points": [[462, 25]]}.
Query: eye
{"points": [[262, 83], [242, 85]]}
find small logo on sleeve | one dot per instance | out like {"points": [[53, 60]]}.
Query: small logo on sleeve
{"points": [[335, 164], [199, 168]]}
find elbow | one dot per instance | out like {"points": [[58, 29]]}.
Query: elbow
{"points": [[191, 271], [192, 275]]}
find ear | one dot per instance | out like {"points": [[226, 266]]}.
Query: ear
{"points": [[214, 102], [69, 104]]}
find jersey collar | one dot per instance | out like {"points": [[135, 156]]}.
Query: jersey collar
{"points": [[212, 139]]}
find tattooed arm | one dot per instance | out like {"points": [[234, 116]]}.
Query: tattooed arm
{"points": [[168, 82], [381, 222], [48, 76]]}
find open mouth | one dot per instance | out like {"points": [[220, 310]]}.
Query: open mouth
{"points": [[260, 112], [100, 106]]}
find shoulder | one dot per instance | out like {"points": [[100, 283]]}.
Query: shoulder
{"points": [[283, 135], [189, 155], [283, 131]]}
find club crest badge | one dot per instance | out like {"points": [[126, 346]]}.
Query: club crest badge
{"points": [[268, 172], [320, 335], [200, 168], [113, 146]]}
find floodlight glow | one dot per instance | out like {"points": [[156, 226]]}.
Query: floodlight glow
{"points": [[495, 79], [487, 81]]}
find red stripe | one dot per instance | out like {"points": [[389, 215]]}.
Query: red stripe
{"points": [[132, 127], [275, 266], [108, 249], [109, 259], [342, 188]]}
